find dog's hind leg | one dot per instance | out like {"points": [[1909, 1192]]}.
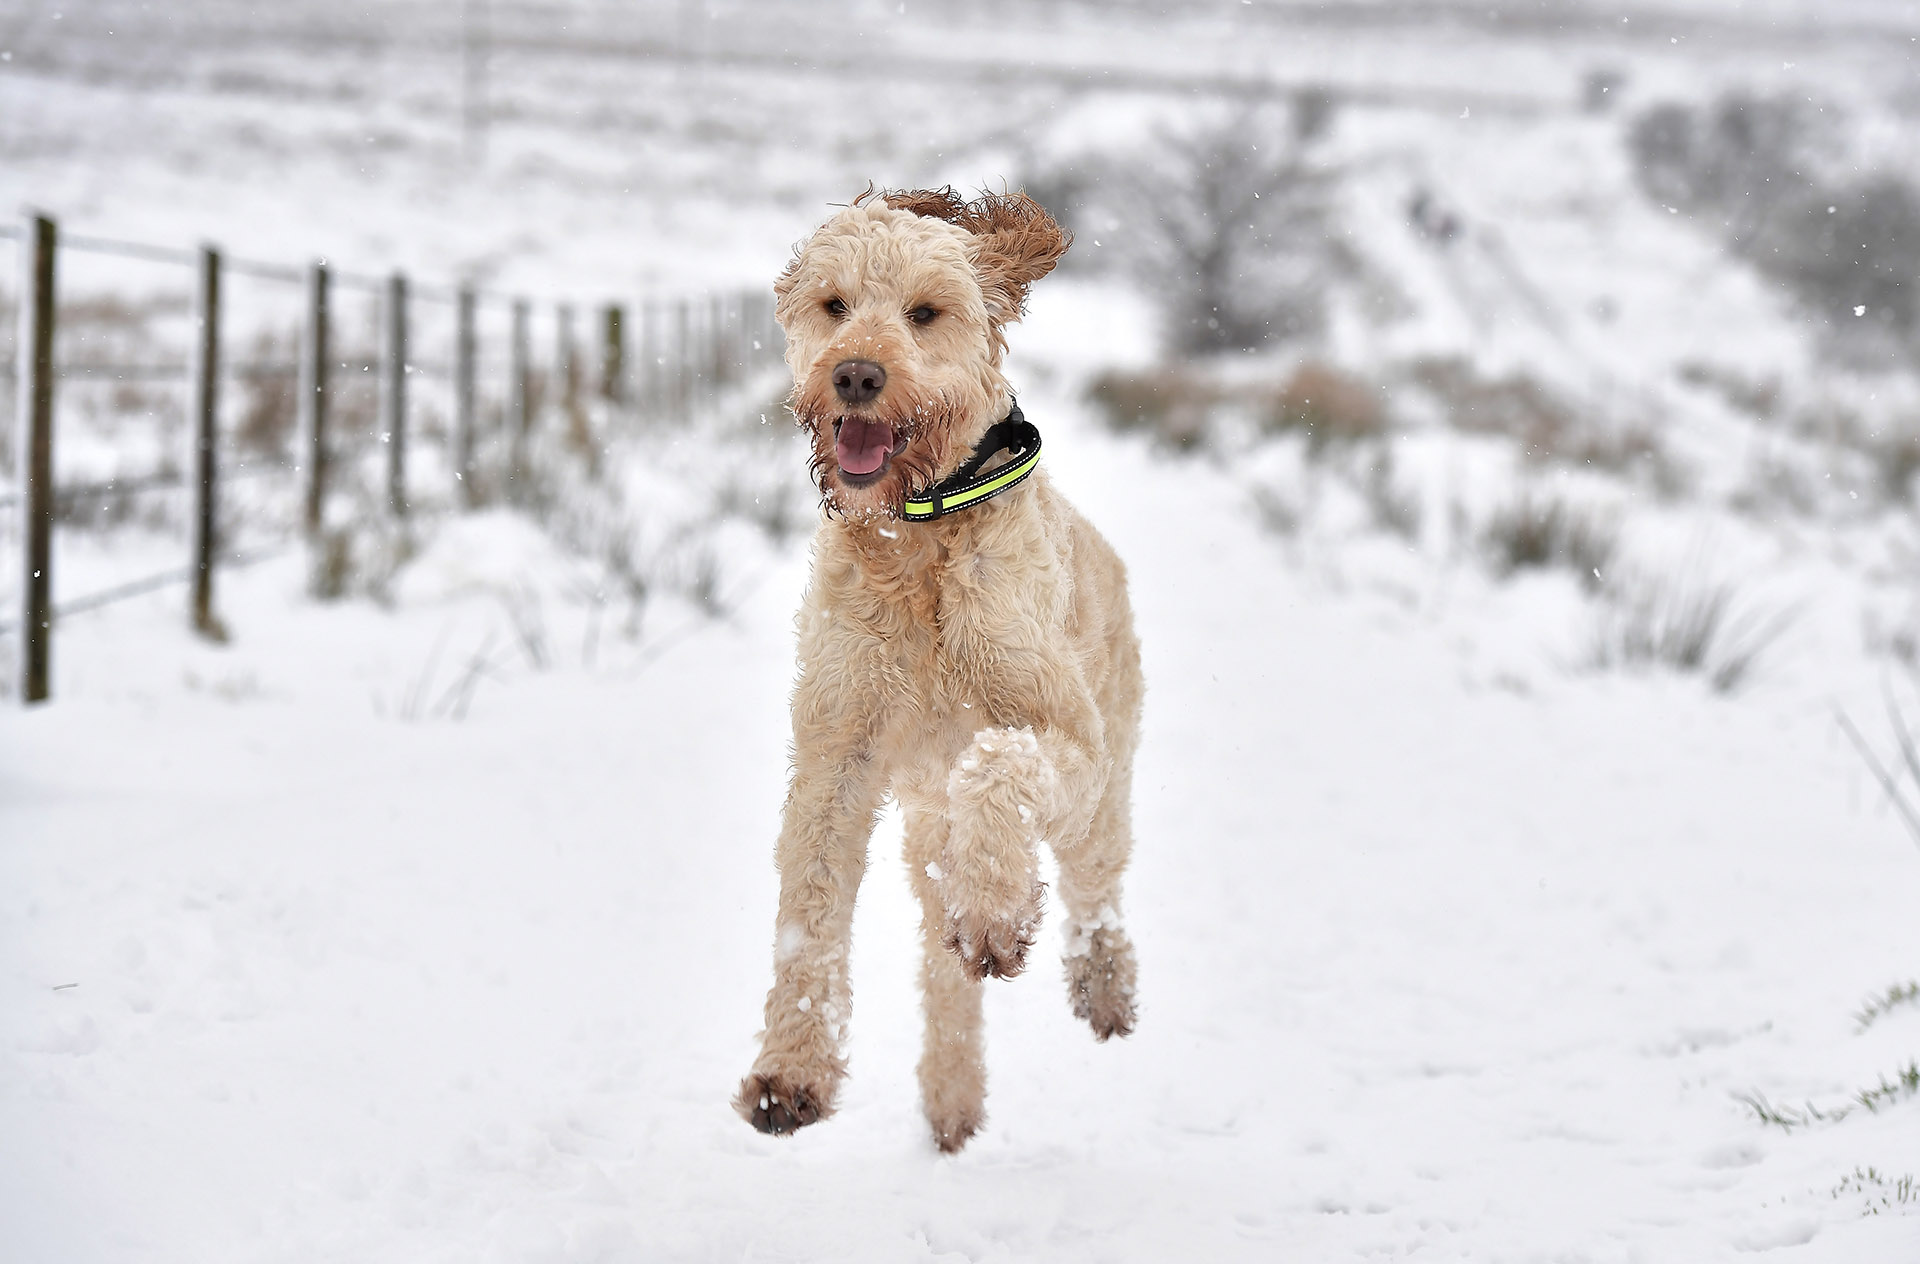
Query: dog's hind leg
{"points": [[1099, 956], [953, 1073]]}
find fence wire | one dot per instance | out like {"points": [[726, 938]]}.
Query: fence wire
{"points": [[154, 583], [652, 358]]}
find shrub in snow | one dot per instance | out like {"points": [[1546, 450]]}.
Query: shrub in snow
{"points": [[1516, 405], [1852, 254], [1170, 404], [361, 556], [1847, 247], [1327, 405], [1180, 405], [1758, 398], [1549, 426], [1686, 623], [1743, 156], [1392, 507], [268, 395], [1539, 530], [1227, 225]]}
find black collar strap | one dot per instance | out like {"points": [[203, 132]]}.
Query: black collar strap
{"points": [[968, 486]]}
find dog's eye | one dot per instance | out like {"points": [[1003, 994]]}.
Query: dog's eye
{"points": [[922, 315], [835, 308]]}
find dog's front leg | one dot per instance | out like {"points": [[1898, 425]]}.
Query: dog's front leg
{"points": [[829, 815], [1016, 784]]}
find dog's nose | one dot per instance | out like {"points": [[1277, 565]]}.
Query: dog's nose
{"points": [[857, 381]]}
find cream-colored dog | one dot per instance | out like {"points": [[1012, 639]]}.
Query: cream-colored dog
{"points": [[979, 663]]}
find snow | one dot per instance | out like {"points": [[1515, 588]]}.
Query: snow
{"points": [[434, 923], [1427, 968]]}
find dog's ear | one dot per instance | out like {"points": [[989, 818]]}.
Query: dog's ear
{"points": [[1019, 244], [1019, 241], [943, 204]]}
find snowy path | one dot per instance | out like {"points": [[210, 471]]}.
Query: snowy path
{"points": [[1429, 971]]}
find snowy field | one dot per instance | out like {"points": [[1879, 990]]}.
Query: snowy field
{"points": [[1430, 969], [433, 923]]}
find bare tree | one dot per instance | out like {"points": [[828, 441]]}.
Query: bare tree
{"points": [[1227, 224]]}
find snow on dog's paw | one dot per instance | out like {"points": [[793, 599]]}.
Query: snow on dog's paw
{"points": [[995, 946], [1100, 978], [776, 1106], [1008, 759], [989, 875]]}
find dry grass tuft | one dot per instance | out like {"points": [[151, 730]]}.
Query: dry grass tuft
{"points": [[1170, 404], [1539, 531], [1393, 507], [1686, 624], [1757, 398], [1548, 427], [1175, 404], [1327, 405]]}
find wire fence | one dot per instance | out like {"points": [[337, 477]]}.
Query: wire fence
{"points": [[462, 378]]}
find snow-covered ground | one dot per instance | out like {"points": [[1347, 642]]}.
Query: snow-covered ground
{"points": [[1432, 967], [433, 923]]}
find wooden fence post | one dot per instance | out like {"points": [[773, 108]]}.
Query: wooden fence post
{"points": [[736, 328], [613, 355], [465, 370], [566, 358], [313, 398], [203, 407], [35, 464], [520, 395], [393, 393], [654, 356], [683, 357]]}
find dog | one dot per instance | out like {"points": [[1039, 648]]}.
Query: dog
{"points": [[969, 652]]}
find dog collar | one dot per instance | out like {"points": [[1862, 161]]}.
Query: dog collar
{"points": [[968, 486]]}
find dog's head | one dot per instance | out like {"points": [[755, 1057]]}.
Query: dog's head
{"points": [[894, 313]]}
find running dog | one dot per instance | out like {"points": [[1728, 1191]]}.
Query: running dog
{"points": [[965, 644]]}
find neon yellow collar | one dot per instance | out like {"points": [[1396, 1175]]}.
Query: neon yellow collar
{"points": [[968, 486]]}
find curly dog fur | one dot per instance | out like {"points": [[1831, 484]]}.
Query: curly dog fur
{"points": [[981, 667]]}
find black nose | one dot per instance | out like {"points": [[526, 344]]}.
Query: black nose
{"points": [[857, 381]]}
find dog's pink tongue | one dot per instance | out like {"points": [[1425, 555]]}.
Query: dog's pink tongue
{"points": [[862, 446]]}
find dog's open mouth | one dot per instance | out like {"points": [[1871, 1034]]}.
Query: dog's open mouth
{"points": [[863, 448]]}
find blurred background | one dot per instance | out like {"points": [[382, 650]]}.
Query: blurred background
{"points": [[1510, 414], [1490, 280]]}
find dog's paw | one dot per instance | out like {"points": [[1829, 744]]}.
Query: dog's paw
{"points": [[995, 946], [953, 1129], [1100, 978], [777, 1106]]}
